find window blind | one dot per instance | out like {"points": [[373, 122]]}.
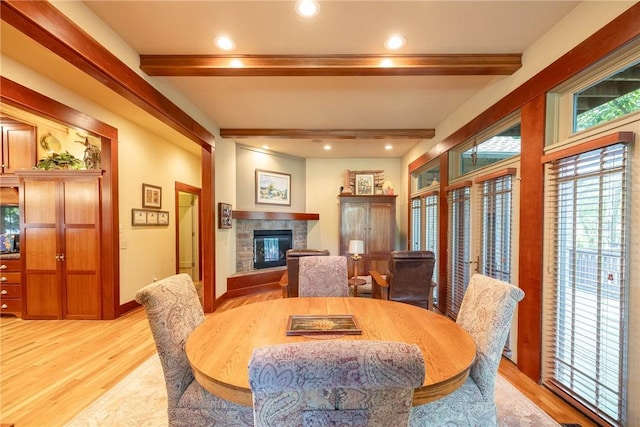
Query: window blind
{"points": [[416, 224], [586, 202], [459, 238], [430, 203], [495, 231]]}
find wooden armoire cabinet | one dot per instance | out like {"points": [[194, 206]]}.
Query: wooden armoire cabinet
{"points": [[373, 220], [60, 244]]}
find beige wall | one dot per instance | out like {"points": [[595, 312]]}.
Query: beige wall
{"points": [[324, 179], [226, 189]]}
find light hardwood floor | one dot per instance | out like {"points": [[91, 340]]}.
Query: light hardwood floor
{"points": [[52, 369]]}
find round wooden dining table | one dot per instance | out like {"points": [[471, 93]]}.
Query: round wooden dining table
{"points": [[220, 348]]}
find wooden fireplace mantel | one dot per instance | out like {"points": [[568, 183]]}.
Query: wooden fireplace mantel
{"points": [[262, 215]]}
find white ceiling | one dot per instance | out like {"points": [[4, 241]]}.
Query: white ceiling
{"points": [[342, 27]]}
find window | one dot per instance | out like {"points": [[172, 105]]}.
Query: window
{"points": [[614, 96], [586, 208], [459, 237], [426, 177], [496, 213], [498, 143], [424, 229]]}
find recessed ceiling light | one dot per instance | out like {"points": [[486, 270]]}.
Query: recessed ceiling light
{"points": [[395, 42], [327, 147], [307, 8], [388, 147], [225, 43]]}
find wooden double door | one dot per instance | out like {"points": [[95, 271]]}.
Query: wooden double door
{"points": [[60, 249]]}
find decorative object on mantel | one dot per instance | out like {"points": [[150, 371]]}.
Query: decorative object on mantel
{"points": [[387, 188], [151, 196], [92, 154], [149, 217], [64, 160], [273, 188], [350, 185], [224, 215]]}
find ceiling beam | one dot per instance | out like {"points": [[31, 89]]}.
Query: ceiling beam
{"points": [[329, 133], [330, 65]]}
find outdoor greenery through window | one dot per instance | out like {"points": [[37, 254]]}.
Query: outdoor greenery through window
{"points": [[615, 96], [587, 202]]}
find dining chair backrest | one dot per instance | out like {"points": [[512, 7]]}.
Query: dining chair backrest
{"points": [[336, 382], [174, 311], [486, 313], [293, 268], [323, 276]]}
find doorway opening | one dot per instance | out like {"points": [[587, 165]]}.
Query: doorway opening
{"points": [[188, 234]]}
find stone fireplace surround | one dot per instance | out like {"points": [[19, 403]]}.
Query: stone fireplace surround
{"points": [[244, 238]]}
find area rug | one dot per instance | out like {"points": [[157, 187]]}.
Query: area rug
{"points": [[140, 400]]}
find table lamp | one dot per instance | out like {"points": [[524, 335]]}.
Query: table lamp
{"points": [[356, 247]]}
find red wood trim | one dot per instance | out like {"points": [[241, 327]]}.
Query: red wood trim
{"points": [[260, 215], [531, 239], [48, 26], [457, 185], [330, 65], [22, 97], [207, 222], [443, 226], [560, 391], [127, 307], [427, 194], [593, 144], [494, 175], [612, 36], [255, 278], [265, 287]]}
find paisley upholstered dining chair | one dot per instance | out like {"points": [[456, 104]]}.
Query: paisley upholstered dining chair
{"points": [[335, 383], [486, 313], [323, 276], [174, 311]]}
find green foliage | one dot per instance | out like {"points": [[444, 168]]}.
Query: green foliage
{"points": [[611, 110], [64, 160]]}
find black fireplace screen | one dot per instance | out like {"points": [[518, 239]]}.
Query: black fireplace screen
{"points": [[270, 248]]}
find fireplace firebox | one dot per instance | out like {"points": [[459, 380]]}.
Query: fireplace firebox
{"points": [[270, 248]]}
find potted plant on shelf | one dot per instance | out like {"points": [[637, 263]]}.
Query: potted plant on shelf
{"points": [[64, 160]]}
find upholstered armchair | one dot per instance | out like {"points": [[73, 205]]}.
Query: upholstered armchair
{"points": [[174, 311], [323, 276], [289, 280], [408, 279], [335, 383], [486, 313]]}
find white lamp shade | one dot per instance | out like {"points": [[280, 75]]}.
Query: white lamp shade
{"points": [[356, 247]]}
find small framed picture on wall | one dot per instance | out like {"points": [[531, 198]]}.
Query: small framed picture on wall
{"points": [[151, 196], [225, 215]]}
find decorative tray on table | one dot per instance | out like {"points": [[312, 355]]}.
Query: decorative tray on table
{"points": [[323, 324]]}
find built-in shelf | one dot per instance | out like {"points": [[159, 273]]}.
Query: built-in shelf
{"points": [[261, 215]]}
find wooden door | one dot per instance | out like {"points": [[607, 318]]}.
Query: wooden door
{"points": [[61, 246], [18, 146], [42, 295], [379, 242], [80, 230]]}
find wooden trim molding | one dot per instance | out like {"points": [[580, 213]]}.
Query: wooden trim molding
{"points": [[261, 215], [457, 185], [329, 133], [330, 65], [593, 144], [496, 174]]}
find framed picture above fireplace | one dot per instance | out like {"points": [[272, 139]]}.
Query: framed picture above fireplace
{"points": [[273, 188]]}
